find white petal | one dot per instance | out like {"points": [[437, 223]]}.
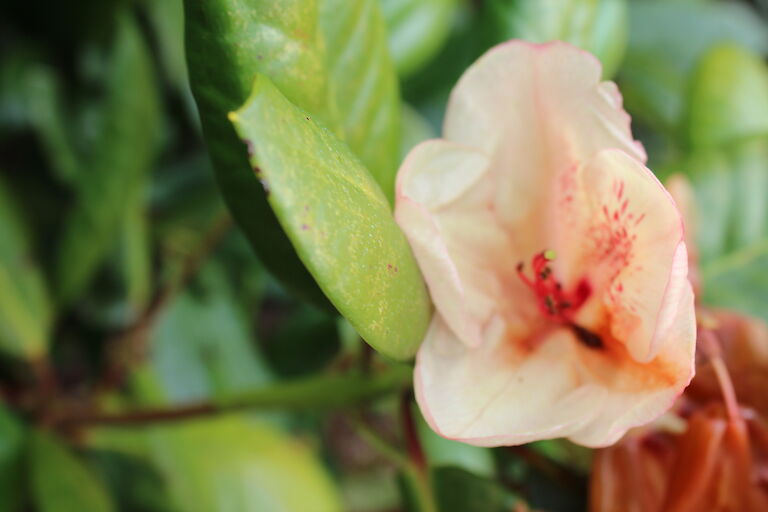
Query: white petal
{"points": [[487, 396], [537, 110], [458, 241]]}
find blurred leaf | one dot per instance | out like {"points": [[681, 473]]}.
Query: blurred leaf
{"points": [[30, 96], [416, 129], [339, 221], [25, 311], [732, 223], [136, 252], [60, 481], [305, 342], [11, 450], [167, 17], [119, 164], [598, 26], [364, 84], [228, 42], [565, 453], [133, 482], [458, 490], [417, 30], [729, 171], [666, 41], [728, 98], [231, 464], [202, 345], [444, 452], [428, 88]]}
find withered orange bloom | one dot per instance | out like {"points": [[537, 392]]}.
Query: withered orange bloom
{"points": [[718, 460], [554, 257]]}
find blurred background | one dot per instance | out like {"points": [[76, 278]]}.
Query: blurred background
{"points": [[149, 362]]}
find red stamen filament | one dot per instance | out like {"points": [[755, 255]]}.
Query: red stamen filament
{"points": [[551, 299]]}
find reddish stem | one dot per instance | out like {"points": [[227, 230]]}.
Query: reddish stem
{"points": [[413, 444]]}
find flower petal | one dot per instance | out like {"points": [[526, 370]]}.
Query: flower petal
{"points": [[487, 396], [457, 241], [639, 393], [536, 109], [620, 229], [492, 395]]}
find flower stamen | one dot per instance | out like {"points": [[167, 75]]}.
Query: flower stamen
{"points": [[555, 303]]}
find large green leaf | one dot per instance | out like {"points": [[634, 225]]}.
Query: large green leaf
{"points": [[598, 26], [227, 43], [338, 220], [232, 464], [417, 30], [364, 84], [60, 481], [230, 41], [25, 312], [666, 41], [728, 98], [120, 162]]}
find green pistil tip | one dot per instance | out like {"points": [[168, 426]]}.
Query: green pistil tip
{"points": [[550, 254]]}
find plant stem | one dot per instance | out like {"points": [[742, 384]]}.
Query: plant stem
{"points": [[130, 345], [319, 392]]}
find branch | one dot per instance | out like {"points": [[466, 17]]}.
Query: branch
{"points": [[318, 392], [129, 345]]}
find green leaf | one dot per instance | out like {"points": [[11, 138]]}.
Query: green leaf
{"points": [[364, 84], [167, 17], [201, 345], [60, 481], [25, 311], [444, 452], [731, 186], [312, 51], [728, 98], [458, 490], [598, 26], [135, 252], [666, 41], [228, 42], [134, 483], [338, 220], [232, 464], [30, 95], [306, 331], [121, 160], [416, 129], [417, 30], [12, 437]]}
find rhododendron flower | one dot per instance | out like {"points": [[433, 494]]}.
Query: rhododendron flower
{"points": [[554, 257]]}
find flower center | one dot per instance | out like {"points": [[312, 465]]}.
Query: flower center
{"points": [[555, 303]]}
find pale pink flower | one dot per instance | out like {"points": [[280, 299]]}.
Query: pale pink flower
{"points": [[554, 257]]}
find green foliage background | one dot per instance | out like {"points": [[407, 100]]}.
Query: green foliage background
{"points": [[196, 236]]}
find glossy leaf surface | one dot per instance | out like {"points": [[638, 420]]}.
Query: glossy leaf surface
{"points": [[338, 219]]}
